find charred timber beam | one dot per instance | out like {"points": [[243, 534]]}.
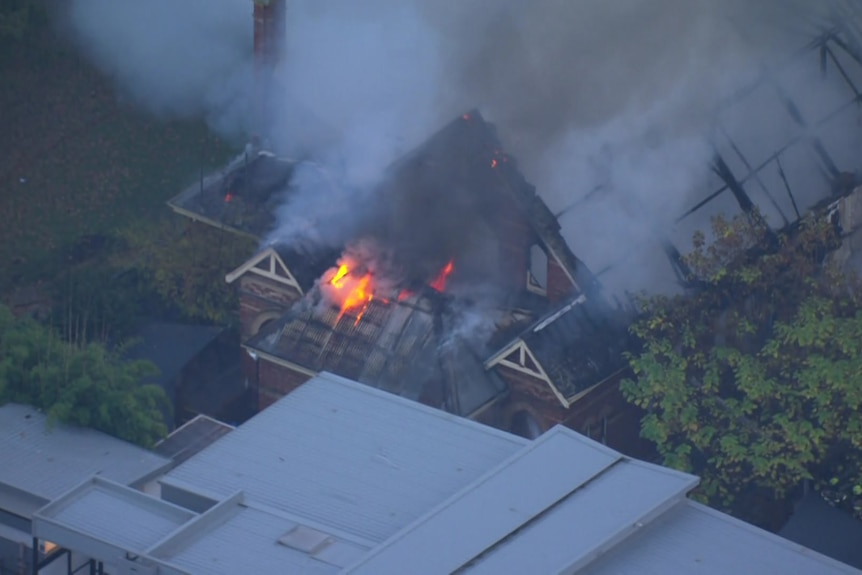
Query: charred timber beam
{"points": [[796, 115], [724, 172], [756, 176], [787, 187], [772, 157], [841, 70]]}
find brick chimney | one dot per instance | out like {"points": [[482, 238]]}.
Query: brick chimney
{"points": [[269, 29]]}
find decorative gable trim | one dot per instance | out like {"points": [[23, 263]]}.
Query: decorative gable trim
{"points": [[518, 357], [268, 264]]}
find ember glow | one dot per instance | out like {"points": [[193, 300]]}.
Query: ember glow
{"points": [[228, 198], [351, 289], [439, 282]]}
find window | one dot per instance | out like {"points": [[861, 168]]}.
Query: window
{"points": [[537, 270]]}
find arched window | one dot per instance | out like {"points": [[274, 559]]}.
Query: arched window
{"points": [[525, 425]]}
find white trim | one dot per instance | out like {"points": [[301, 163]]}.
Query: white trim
{"points": [[279, 361], [562, 267], [533, 285], [276, 265], [524, 351]]}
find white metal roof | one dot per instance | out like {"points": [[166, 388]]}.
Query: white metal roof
{"points": [[246, 539], [112, 518], [564, 494], [40, 463], [356, 459], [692, 538], [440, 494]]}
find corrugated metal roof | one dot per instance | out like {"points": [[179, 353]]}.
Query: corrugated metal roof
{"points": [[256, 533], [588, 521], [691, 538], [357, 459], [45, 463], [112, 514], [498, 505]]}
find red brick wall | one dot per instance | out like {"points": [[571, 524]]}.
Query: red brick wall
{"points": [[515, 236], [275, 381], [559, 285], [528, 391], [603, 403], [258, 295]]}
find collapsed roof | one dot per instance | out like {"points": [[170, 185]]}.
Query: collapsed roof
{"points": [[398, 346]]}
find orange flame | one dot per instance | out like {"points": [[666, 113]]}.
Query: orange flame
{"points": [[494, 163], [352, 291], [439, 282]]}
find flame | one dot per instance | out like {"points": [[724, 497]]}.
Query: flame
{"points": [[494, 163], [404, 294], [228, 197], [439, 282], [352, 291], [466, 117], [352, 287]]}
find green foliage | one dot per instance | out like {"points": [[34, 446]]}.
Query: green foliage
{"points": [[184, 264], [17, 17], [79, 384], [753, 382]]}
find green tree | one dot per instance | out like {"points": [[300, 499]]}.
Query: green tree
{"points": [[17, 17], [83, 384], [754, 381], [184, 265]]}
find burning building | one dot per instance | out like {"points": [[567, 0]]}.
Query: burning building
{"points": [[459, 238], [455, 287]]}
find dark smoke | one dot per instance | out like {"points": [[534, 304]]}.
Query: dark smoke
{"points": [[616, 96]]}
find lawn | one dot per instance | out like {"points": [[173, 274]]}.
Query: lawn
{"points": [[75, 162]]}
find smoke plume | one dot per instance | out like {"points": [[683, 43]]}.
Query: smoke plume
{"points": [[614, 98]]}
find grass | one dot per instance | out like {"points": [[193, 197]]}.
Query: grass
{"points": [[74, 162]]}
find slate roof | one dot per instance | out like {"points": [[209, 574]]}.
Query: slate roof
{"points": [[819, 526], [242, 197], [171, 346], [398, 346], [452, 172], [579, 344]]}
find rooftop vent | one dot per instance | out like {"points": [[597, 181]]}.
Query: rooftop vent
{"points": [[306, 539]]}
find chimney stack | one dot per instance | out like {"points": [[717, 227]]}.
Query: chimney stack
{"points": [[269, 29]]}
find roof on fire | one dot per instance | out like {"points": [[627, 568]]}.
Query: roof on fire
{"points": [[397, 346], [467, 156], [242, 197]]}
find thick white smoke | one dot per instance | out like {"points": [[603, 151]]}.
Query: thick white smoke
{"points": [[177, 58], [617, 95]]}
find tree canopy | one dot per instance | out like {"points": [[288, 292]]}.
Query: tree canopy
{"points": [[754, 380], [85, 384]]}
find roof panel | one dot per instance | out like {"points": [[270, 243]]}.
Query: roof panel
{"points": [[589, 520], [48, 462], [256, 534], [112, 514], [693, 538], [319, 454], [495, 506]]}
